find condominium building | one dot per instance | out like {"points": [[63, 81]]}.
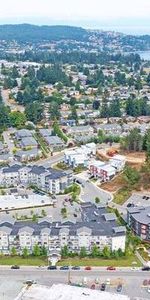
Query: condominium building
{"points": [[138, 219], [96, 227], [48, 179]]}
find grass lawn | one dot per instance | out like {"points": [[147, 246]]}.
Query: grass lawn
{"points": [[121, 262], [17, 260], [122, 196], [95, 262]]}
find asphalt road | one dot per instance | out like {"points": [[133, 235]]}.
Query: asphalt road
{"points": [[90, 191], [49, 162], [8, 141], [131, 280]]}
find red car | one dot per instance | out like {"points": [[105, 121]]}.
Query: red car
{"points": [[93, 286], [145, 282], [88, 268], [111, 268]]}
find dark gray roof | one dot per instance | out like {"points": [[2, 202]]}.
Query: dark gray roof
{"points": [[12, 169], [23, 133], [28, 141], [99, 226], [45, 132], [55, 174], [140, 214], [38, 170], [53, 140]]}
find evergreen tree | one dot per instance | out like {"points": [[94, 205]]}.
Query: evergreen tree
{"points": [[83, 252], [115, 110], [36, 250], [25, 252]]}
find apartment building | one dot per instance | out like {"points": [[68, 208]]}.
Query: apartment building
{"points": [[138, 219], [48, 179], [97, 227]]}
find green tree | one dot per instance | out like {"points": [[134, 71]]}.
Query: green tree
{"points": [[43, 251], [134, 141], [14, 72], [25, 252], [106, 252], [97, 200], [63, 210], [131, 176], [4, 116], [36, 250], [34, 218], [54, 111], [64, 251], [83, 252], [59, 132], [13, 251], [34, 112], [115, 110], [17, 119], [1, 99], [95, 251]]}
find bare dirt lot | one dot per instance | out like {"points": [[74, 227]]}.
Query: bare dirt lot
{"points": [[113, 185]]}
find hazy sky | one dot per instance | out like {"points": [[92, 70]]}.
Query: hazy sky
{"points": [[88, 13]]}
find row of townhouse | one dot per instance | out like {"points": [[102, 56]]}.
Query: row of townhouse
{"points": [[80, 155], [53, 141], [48, 179], [25, 138], [104, 231], [106, 171]]}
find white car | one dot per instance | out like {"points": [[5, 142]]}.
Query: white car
{"points": [[107, 281], [148, 290]]}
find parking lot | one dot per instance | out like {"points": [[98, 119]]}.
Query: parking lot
{"points": [[139, 199]]}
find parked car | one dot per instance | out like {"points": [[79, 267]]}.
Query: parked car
{"points": [[76, 268], [130, 205], [103, 287], [145, 282], [30, 282], [88, 268], [52, 268], [64, 268], [93, 286], [107, 281], [15, 267], [111, 268], [146, 268], [119, 288]]}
